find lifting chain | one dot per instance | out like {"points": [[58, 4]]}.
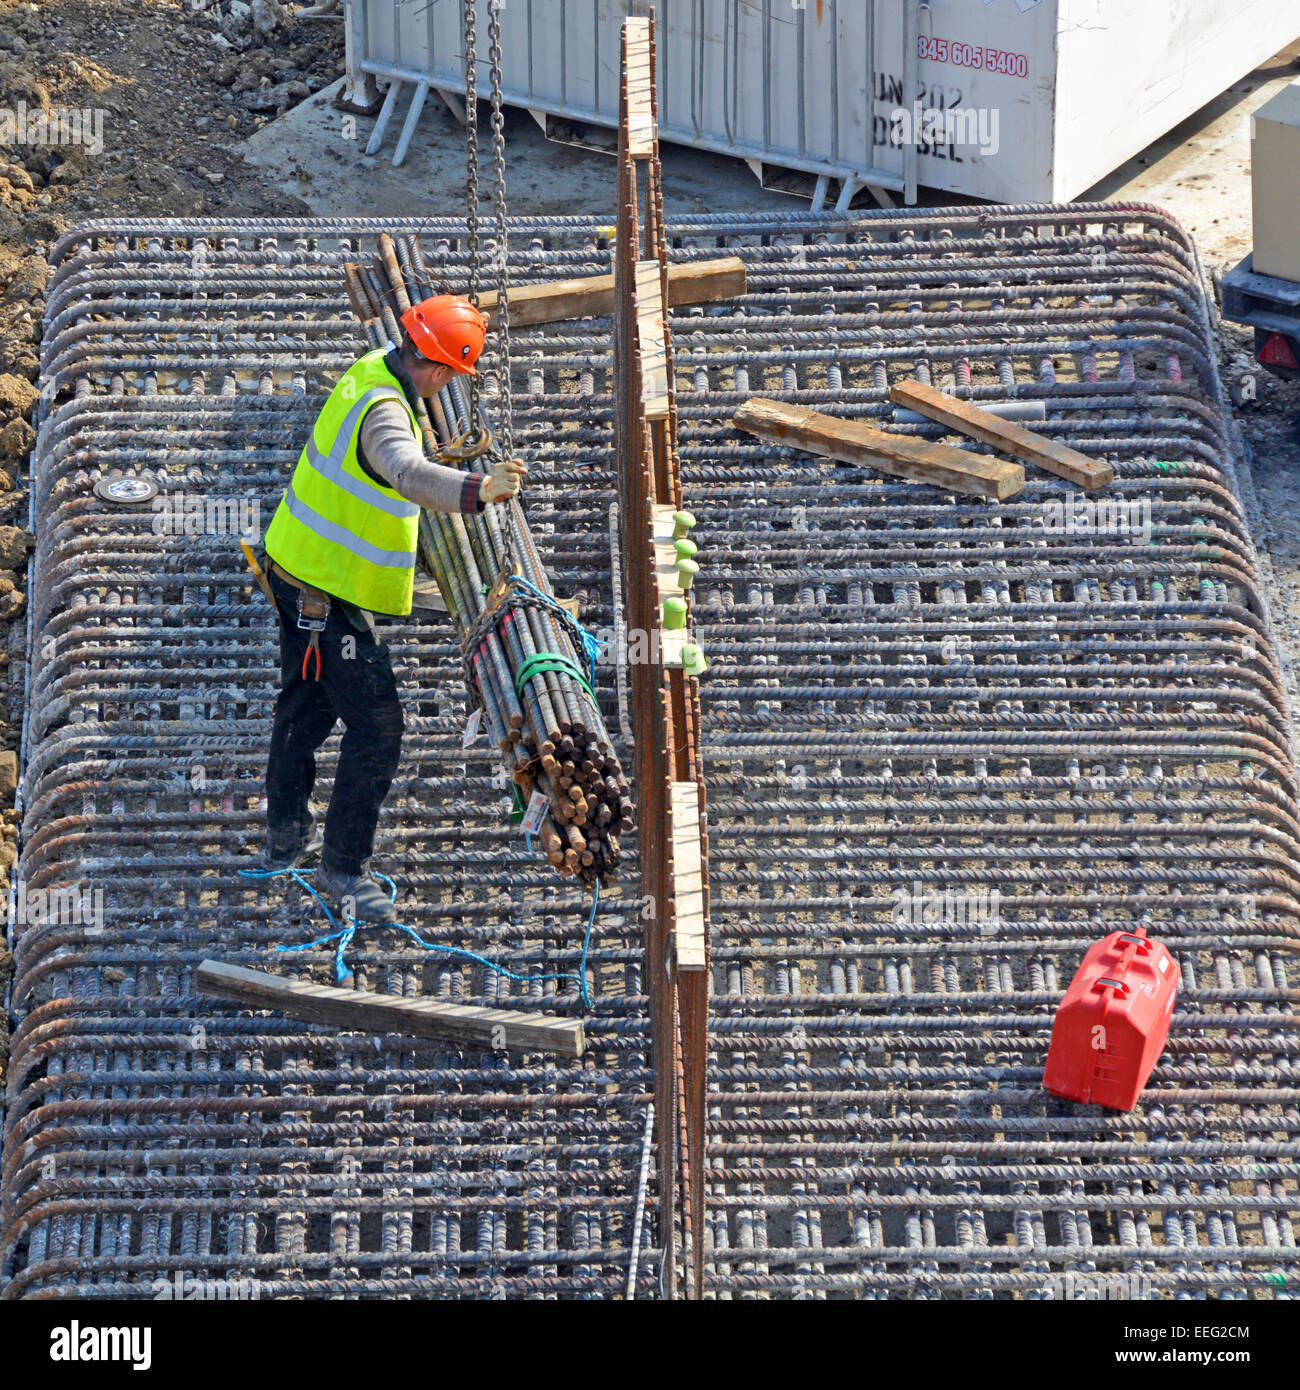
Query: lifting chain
{"points": [[470, 11], [505, 405], [506, 421], [477, 438]]}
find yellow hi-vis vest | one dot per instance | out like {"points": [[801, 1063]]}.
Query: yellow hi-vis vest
{"points": [[337, 529]]}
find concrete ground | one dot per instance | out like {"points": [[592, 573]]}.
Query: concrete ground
{"points": [[321, 153]]}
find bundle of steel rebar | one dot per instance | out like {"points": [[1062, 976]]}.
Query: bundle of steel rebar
{"points": [[526, 658]]}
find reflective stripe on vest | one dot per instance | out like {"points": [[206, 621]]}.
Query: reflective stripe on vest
{"points": [[331, 531], [336, 528], [331, 465]]}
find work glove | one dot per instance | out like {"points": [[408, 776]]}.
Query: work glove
{"points": [[504, 481]]}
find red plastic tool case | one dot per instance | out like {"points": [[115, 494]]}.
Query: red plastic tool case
{"points": [[1112, 1024]]}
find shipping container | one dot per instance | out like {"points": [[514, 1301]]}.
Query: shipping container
{"points": [[1007, 100]]}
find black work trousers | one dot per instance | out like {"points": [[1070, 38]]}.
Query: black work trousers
{"points": [[356, 685]]}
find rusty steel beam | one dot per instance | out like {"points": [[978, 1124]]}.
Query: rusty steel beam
{"points": [[665, 699]]}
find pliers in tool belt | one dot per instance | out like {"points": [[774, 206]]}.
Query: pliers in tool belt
{"points": [[313, 613]]}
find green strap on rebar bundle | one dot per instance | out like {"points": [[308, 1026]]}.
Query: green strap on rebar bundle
{"points": [[551, 661]]}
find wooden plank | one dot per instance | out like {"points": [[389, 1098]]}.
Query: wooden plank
{"points": [[652, 340], [640, 115], [357, 1011], [706, 282], [426, 596], [592, 296], [1005, 435], [852, 442], [672, 640], [688, 876]]}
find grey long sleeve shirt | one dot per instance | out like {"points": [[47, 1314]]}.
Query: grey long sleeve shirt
{"points": [[389, 450]]}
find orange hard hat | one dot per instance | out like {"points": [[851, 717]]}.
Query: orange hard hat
{"points": [[447, 329]]}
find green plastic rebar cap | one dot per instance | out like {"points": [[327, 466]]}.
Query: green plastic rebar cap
{"points": [[693, 662], [682, 522], [686, 572], [674, 613], [686, 548]]}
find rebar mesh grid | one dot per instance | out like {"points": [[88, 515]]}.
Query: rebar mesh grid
{"points": [[915, 701], [949, 745], [153, 1133]]}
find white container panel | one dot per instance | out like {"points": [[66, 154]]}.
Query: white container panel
{"points": [[1131, 70], [812, 109], [997, 61]]}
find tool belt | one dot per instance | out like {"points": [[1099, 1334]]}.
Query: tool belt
{"points": [[313, 613]]}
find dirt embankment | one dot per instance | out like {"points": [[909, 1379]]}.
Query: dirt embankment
{"points": [[127, 108]]}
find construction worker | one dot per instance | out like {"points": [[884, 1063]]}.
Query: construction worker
{"points": [[340, 549]]}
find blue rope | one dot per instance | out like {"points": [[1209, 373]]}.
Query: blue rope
{"points": [[586, 944], [342, 936], [592, 646]]}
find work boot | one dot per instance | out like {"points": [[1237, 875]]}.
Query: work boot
{"points": [[356, 896], [279, 855]]}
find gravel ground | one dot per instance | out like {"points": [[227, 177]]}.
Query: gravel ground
{"points": [[1269, 420]]}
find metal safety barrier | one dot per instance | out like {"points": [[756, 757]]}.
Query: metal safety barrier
{"points": [[947, 744]]}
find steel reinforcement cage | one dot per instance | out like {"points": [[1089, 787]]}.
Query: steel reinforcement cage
{"points": [[948, 744]]}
